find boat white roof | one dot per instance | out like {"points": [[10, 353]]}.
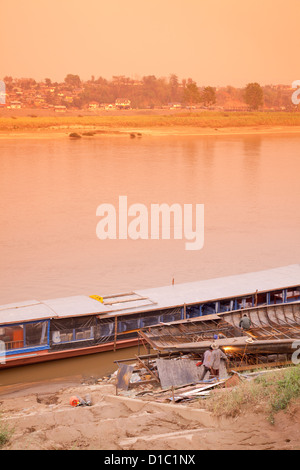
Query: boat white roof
{"points": [[54, 308], [155, 298], [225, 287]]}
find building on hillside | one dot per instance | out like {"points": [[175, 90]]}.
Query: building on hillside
{"points": [[123, 103], [15, 104], [93, 105], [60, 109], [175, 105]]}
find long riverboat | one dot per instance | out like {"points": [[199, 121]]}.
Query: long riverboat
{"points": [[38, 331]]}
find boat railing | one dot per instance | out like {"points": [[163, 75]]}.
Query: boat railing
{"points": [[13, 344]]}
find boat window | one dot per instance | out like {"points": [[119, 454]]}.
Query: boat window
{"points": [[149, 320], [25, 335], [226, 305], [84, 333], [293, 294], [73, 334], [192, 312], [36, 334], [62, 337], [128, 324], [12, 337], [276, 297], [209, 308], [68, 330], [260, 299], [168, 317], [244, 302], [105, 329]]}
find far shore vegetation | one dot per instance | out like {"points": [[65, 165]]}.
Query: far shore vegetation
{"points": [[148, 92], [205, 119]]}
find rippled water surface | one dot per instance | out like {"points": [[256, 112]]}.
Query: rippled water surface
{"points": [[50, 190]]}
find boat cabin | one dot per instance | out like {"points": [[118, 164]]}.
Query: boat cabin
{"points": [[87, 323]]}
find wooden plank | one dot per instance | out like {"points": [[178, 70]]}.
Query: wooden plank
{"points": [[127, 300], [118, 295], [202, 389]]}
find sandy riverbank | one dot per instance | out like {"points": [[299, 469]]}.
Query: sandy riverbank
{"points": [[63, 132], [23, 124], [42, 419]]}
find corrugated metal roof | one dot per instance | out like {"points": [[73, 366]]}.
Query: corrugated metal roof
{"points": [[159, 298]]}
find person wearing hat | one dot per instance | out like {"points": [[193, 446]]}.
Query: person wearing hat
{"points": [[216, 356]]}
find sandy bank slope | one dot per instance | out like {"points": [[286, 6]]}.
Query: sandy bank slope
{"points": [[45, 420], [62, 132]]}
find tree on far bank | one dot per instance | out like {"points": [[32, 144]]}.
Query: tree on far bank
{"points": [[191, 94], [73, 80], [208, 96], [254, 95], [174, 87]]}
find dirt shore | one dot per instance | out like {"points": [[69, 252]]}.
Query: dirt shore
{"points": [[63, 132], [41, 418]]}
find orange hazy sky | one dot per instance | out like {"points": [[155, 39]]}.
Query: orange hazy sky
{"points": [[215, 42]]}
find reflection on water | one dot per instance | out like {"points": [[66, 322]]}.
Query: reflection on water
{"points": [[252, 147], [50, 190]]}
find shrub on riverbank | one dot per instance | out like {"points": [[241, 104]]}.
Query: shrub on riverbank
{"points": [[5, 434], [274, 391]]}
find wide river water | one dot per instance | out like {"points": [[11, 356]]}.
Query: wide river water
{"points": [[50, 190]]}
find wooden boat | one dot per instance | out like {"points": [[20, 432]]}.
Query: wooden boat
{"points": [[274, 330], [270, 321], [39, 331]]}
